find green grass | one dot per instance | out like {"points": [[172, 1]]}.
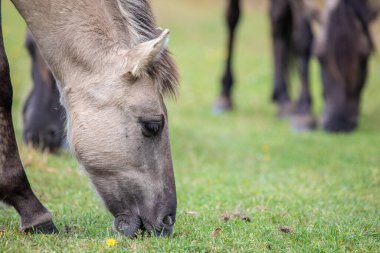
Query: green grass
{"points": [[324, 188]]}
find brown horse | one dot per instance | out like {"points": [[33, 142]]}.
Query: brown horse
{"points": [[292, 38], [343, 48], [43, 115], [112, 67]]}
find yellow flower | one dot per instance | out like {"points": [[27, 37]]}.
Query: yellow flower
{"points": [[266, 158], [110, 242], [265, 148]]}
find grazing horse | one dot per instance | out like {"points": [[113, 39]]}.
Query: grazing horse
{"points": [[43, 115], [112, 68], [292, 38], [343, 48]]}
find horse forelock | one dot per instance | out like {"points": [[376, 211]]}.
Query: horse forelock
{"points": [[143, 28]]}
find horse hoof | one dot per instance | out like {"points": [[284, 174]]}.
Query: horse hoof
{"points": [[223, 104], [44, 228], [284, 110], [303, 123]]}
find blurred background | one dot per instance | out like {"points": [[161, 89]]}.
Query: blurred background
{"points": [[245, 160]]}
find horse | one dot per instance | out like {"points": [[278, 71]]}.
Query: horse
{"points": [[113, 70], [292, 38], [43, 115], [343, 48]]}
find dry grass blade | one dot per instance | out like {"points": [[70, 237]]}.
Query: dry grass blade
{"points": [[286, 230], [192, 213], [216, 232], [2, 232]]}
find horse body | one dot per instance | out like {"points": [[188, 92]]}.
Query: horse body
{"points": [[112, 67]]}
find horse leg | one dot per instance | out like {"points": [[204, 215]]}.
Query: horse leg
{"points": [[304, 102], [281, 32], [224, 102], [302, 116], [14, 186], [280, 88]]}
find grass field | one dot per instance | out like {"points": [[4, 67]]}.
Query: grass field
{"points": [[312, 192]]}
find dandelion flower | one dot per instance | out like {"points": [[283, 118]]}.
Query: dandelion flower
{"points": [[266, 158], [110, 242], [265, 149]]}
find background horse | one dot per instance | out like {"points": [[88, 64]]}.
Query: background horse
{"points": [[111, 63], [292, 38], [43, 115], [343, 49]]}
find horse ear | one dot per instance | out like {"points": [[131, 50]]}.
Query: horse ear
{"points": [[139, 57]]}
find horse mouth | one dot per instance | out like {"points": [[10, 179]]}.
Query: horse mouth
{"points": [[136, 226], [43, 143], [158, 231]]}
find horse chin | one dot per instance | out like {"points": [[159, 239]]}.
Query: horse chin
{"points": [[340, 125]]}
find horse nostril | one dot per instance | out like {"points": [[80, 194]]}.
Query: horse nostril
{"points": [[51, 134], [169, 220]]}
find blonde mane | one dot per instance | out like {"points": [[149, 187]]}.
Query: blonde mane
{"points": [[142, 26]]}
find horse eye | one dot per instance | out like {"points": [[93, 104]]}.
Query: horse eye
{"points": [[151, 128]]}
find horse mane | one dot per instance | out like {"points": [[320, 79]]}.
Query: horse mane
{"points": [[142, 25], [364, 14], [342, 44]]}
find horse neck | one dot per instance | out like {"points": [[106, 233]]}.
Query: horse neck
{"points": [[75, 35]]}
